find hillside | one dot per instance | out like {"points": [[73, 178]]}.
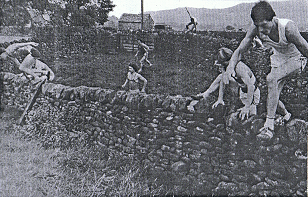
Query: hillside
{"points": [[237, 16]]}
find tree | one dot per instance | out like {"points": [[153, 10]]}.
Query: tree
{"points": [[13, 15], [61, 12], [86, 12]]}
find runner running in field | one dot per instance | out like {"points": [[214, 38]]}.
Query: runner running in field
{"points": [[144, 51], [283, 36], [133, 78], [31, 63], [242, 84]]}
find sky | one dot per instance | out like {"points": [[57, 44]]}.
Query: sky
{"points": [[134, 6]]}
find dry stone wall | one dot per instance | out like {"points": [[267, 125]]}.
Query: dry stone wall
{"points": [[221, 158]]}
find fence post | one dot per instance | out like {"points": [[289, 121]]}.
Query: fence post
{"points": [[119, 41]]}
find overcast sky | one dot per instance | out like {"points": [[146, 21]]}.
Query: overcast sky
{"points": [[134, 6]]}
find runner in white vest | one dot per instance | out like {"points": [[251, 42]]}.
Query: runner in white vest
{"points": [[283, 36]]}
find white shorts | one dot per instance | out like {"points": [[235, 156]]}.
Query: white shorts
{"points": [[281, 60], [284, 66]]}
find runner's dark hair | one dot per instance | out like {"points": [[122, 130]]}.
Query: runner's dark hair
{"points": [[134, 66], [262, 11]]}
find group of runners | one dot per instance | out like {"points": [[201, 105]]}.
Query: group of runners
{"points": [[289, 52], [281, 36], [133, 75]]}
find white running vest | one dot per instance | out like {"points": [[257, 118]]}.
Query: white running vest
{"points": [[283, 50]]}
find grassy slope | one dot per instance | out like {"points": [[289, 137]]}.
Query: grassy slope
{"points": [[28, 169]]}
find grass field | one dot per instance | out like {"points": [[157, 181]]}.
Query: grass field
{"points": [[109, 71]]}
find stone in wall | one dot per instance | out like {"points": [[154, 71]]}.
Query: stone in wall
{"points": [[297, 131], [53, 90]]}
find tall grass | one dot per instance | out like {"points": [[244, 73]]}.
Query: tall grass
{"points": [[27, 169], [30, 169], [93, 171]]}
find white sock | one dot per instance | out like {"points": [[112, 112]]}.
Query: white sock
{"points": [[287, 116]]}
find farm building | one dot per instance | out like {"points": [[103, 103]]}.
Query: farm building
{"points": [[162, 27], [133, 22]]}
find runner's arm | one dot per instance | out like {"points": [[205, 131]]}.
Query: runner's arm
{"points": [[13, 47], [220, 99], [293, 35], [236, 56], [145, 46], [221, 89], [124, 84]]}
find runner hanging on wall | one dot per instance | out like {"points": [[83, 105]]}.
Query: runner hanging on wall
{"points": [[30, 64]]}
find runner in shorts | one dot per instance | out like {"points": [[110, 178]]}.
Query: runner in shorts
{"points": [[283, 37], [31, 63], [193, 22], [144, 50]]}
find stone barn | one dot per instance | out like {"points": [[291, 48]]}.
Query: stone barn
{"points": [[159, 27], [133, 22]]}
